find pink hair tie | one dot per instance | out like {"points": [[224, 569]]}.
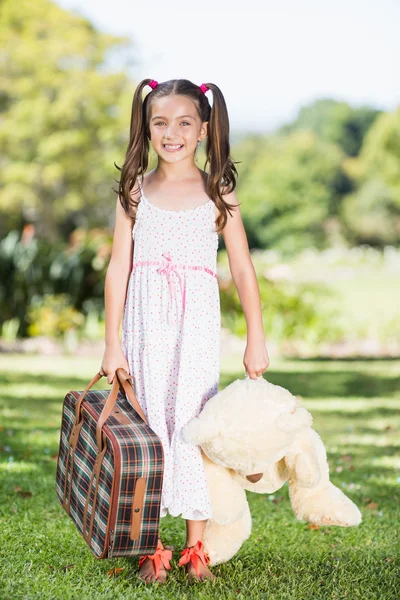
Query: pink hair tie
{"points": [[153, 83], [204, 88]]}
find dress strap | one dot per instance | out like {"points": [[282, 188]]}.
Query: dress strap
{"points": [[140, 183]]}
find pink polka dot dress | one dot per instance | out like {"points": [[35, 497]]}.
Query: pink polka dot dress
{"points": [[171, 339]]}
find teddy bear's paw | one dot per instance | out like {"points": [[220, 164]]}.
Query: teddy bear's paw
{"points": [[326, 506], [221, 542], [306, 472]]}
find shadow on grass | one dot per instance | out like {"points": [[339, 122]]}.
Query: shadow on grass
{"points": [[44, 412], [345, 359], [60, 381], [319, 383]]}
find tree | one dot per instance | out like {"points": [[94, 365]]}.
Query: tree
{"points": [[61, 110], [336, 122], [291, 191], [372, 213]]}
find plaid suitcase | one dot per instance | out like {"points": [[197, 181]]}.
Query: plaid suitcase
{"points": [[110, 470]]}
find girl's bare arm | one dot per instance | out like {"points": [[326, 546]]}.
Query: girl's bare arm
{"points": [[256, 358], [116, 283]]}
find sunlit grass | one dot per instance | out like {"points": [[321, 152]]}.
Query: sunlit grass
{"points": [[355, 405]]}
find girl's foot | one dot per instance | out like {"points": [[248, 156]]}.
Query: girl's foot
{"points": [[152, 567], [196, 560]]}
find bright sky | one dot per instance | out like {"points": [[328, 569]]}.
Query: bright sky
{"points": [[269, 57]]}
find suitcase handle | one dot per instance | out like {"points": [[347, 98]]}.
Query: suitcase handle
{"points": [[124, 378], [120, 382]]}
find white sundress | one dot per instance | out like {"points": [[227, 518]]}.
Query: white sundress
{"points": [[171, 339]]}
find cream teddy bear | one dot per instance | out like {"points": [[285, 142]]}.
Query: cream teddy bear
{"points": [[255, 436]]}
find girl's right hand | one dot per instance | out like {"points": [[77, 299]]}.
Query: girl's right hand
{"points": [[113, 359]]}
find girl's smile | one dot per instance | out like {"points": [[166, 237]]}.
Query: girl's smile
{"points": [[173, 148]]}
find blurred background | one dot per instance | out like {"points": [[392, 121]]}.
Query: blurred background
{"points": [[313, 96], [313, 100]]}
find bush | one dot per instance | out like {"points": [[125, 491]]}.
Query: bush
{"points": [[53, 316], [32, 269], [290, 310]]}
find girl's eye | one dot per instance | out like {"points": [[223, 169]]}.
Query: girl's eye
{"points": [[161, 122]]}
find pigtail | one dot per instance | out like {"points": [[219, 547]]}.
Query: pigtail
{"points": [[137, 153], [223, 173]]}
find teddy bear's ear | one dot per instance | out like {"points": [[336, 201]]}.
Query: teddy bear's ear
{"points": [[198, 431], [298, 419], [192, 433]]}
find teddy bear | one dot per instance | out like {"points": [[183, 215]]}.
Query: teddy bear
{"points": [[255, 436]]}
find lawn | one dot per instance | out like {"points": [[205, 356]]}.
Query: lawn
{"points": [[355, 405]]}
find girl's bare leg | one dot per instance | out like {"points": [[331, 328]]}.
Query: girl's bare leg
{"points": [[194, 533]]}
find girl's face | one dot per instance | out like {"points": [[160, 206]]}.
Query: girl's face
{"points": [[175, 127]]}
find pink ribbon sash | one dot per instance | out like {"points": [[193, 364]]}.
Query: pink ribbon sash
{"points": [[168, 267]]}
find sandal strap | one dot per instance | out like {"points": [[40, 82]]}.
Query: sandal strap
{"points": [[195, 555], [160, 557]]}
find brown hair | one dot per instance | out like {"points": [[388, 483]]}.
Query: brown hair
{"points": [[222, 174]]}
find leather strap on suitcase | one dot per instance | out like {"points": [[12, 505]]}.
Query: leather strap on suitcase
{"points": [[120, 381]]}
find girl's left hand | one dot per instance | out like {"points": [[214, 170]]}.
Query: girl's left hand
{"points": [[256, 359]]}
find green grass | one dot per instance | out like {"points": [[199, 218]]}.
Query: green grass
{"points": [[355, 405]]}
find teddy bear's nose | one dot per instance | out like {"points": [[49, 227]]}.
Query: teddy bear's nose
{"points": [[254, 478]]}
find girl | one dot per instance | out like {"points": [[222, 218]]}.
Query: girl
{"points": [[167, 291]]}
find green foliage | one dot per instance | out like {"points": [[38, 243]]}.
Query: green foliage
{"points": [[24, 273], [32, 269], [290, 310], [368, 215], [371, 213], [335, 122], [9, 330], [63, 119], [381, 152], [292, 185], [290, 190], [80, 269], [53, 316]]}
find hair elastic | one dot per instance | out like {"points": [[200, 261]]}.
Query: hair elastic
{"points": [[204, 88], [153, 83]]}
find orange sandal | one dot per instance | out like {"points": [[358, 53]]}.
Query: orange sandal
{"points": [[195, 555], [160, 557]]}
